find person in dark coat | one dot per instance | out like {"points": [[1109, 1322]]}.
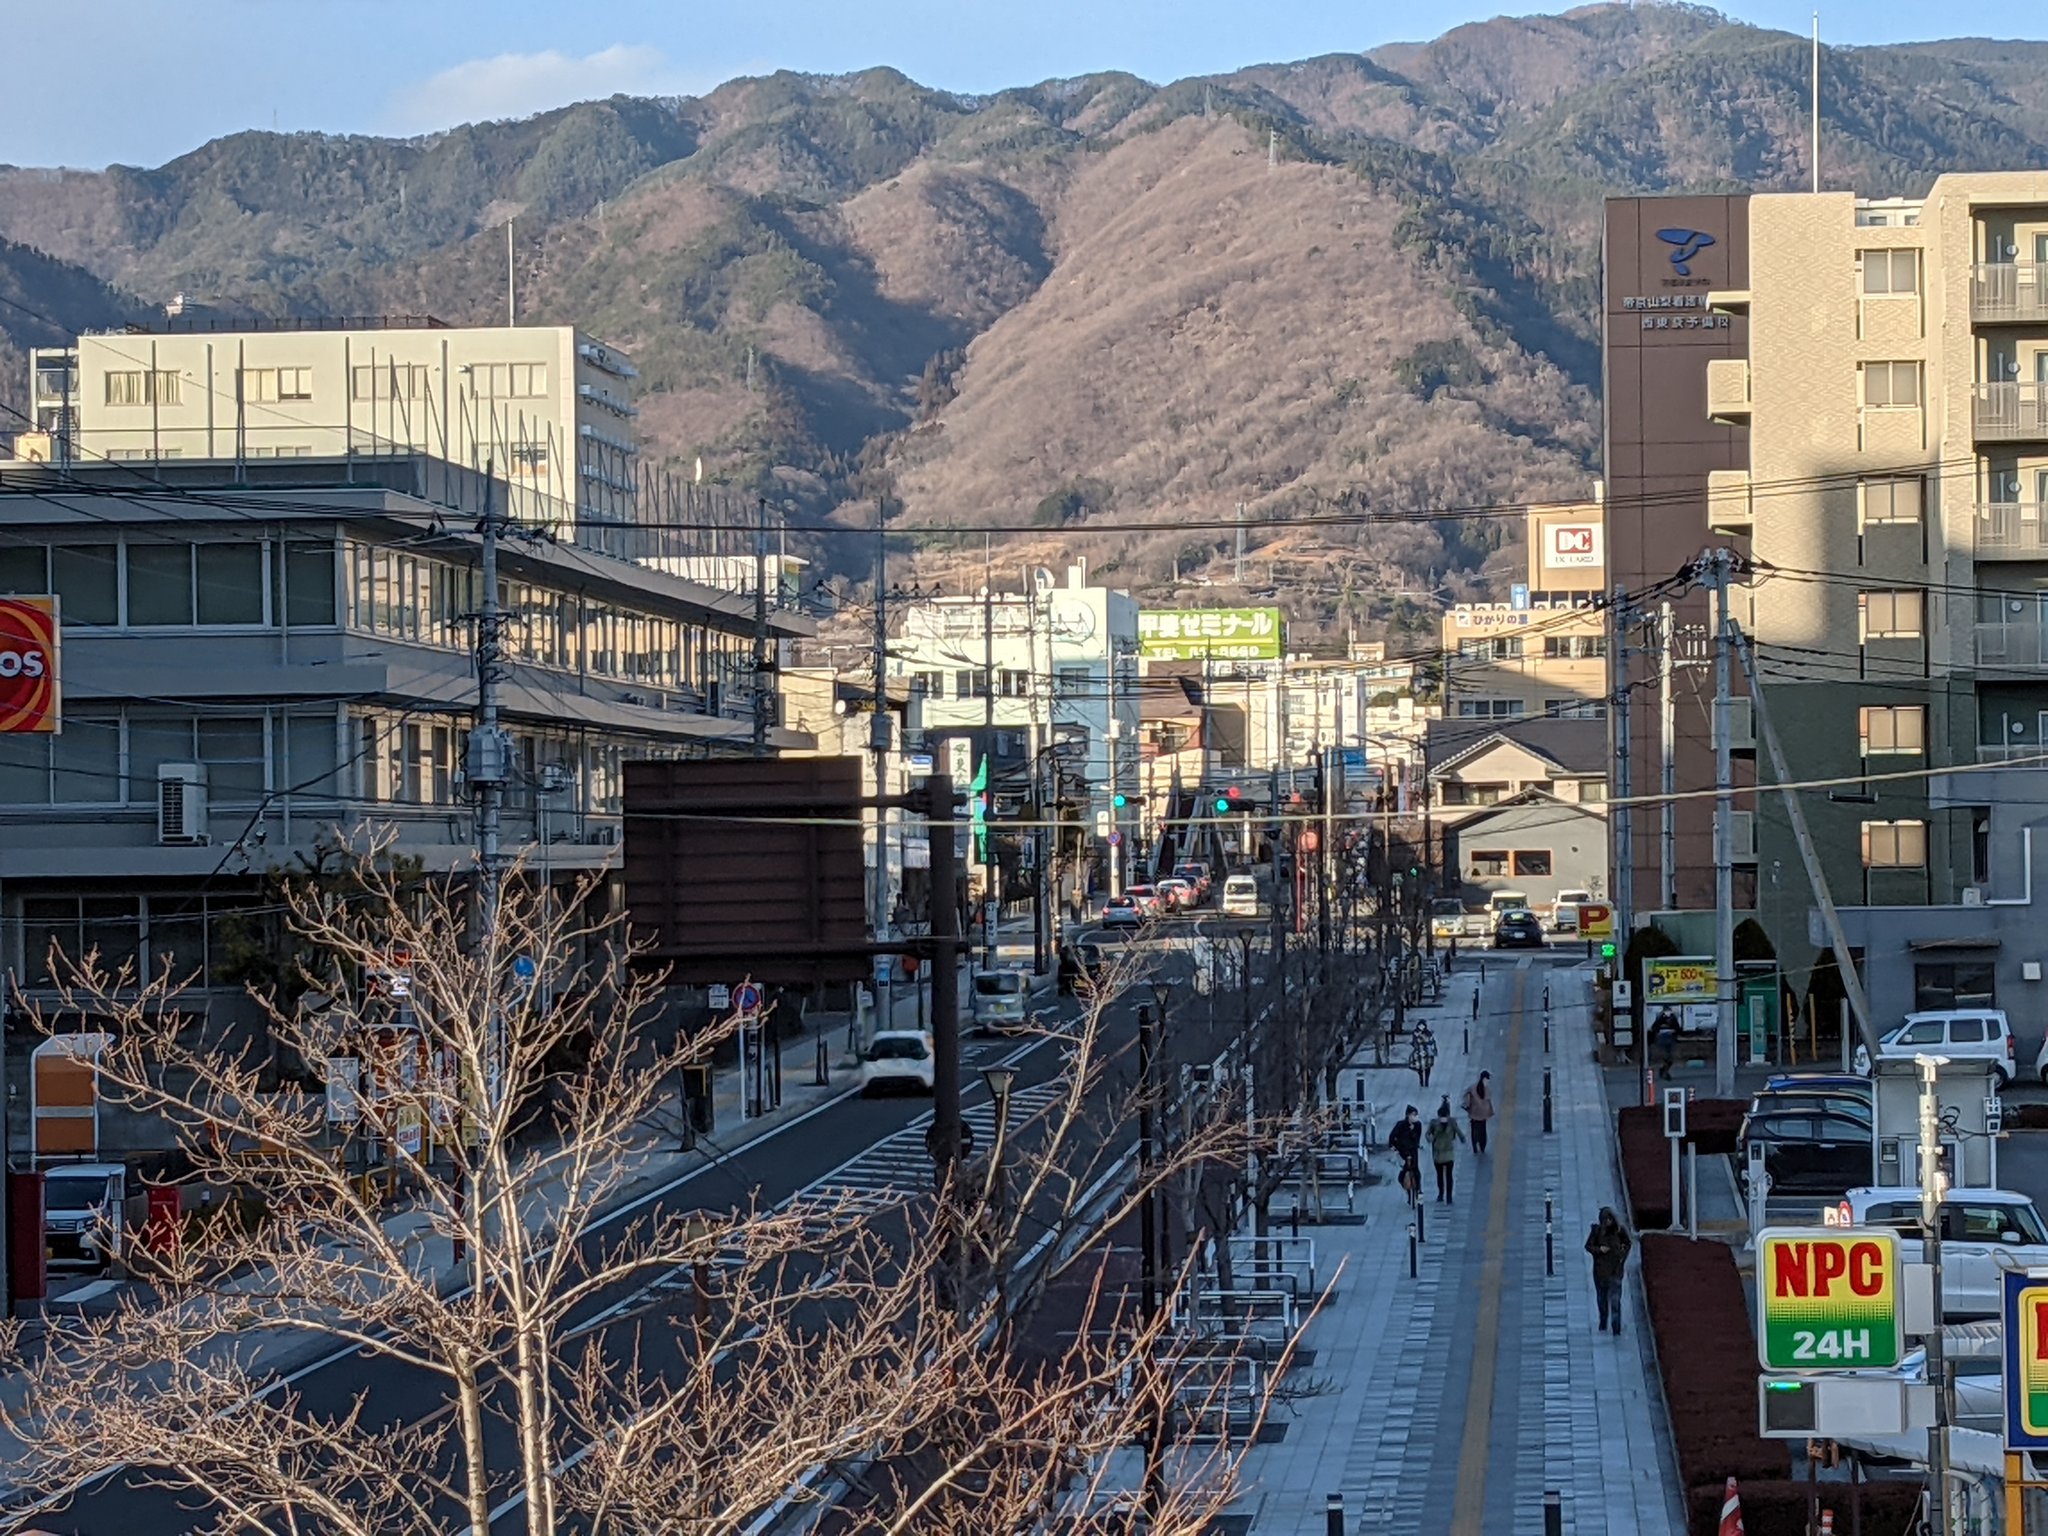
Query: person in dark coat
{"points": [[1444, 1137], [1608, 1242], [1422, 1052], [1406, 1140]]}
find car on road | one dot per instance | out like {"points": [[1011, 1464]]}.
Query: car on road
{"points": [[1517, 929], [1482, 923], [1083, 965], [83, 1209], [1960, 1034], [1446, 917], [1240, 896], [899, 1061], [1122, 912], [1196, 874], [1819, 1152], [1984, 1232], [1147, 898], [1564, 912], [1002, 998], [1176, 895]]}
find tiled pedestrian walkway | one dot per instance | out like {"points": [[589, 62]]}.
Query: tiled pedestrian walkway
{"points": [[1453, 1401]]}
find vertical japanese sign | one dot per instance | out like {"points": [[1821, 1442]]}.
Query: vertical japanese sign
{"points": [[29, 696]]}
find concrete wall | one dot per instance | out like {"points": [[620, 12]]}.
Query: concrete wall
{"points": [[1576, 841]]}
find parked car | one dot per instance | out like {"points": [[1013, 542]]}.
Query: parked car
{"points": [[1175, 895], [1196, 875], [1001, 998], [897, 1060], [1447, 917], [83, 1208], [1122, 912], [1960, 1034], [1517, 929], [1564, 912], [1482, 923], [1807, 1151], [1983, 1233], [1240, 896]]}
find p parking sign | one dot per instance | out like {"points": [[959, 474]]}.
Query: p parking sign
{"points": [[1828, 1299], [2026, 1362]]}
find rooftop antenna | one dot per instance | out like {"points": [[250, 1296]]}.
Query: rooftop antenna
{"points": [[511, 288], [1816, 101]]}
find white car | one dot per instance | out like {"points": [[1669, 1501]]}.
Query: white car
{"points": [[1240, 896], [83, 1206], [1960, 1034], [1984, 1232], [1564, 912], [899, 1061]]}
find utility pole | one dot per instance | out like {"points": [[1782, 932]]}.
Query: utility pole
{"points": [[1717, 562], [879, 731], [1618, 615], [991, 867], [763, 668], [1667, 785], [487, 767], [944, 1138], [1941, 1522]]}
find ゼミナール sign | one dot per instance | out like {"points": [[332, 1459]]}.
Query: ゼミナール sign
{"points": [[1220, 634]]}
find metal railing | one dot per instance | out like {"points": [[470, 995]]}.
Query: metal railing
{"points": [[2013, 529], [2023, 644], [2009, 290], [2005, 412]]}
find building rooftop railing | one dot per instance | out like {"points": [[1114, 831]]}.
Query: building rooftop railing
{"points": [[173, 325]]}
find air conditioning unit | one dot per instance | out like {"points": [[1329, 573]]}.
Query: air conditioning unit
{"points": [[181, 803], [1742, 725], [1742, 837]]}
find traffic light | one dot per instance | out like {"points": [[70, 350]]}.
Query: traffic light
{"points": [[1607, 950], [1228, 801], [1120, 800]]}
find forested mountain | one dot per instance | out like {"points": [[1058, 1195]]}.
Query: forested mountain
{"points": [[1362, 281]]}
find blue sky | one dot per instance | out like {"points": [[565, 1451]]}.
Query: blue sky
{"points": [[141, 81]]}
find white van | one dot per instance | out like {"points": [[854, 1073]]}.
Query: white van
{"points": [[1500, 902], [1960, 1034], [1240, 896], [83, 1208], [1984, 1232], [1000, 998], [1564, 912]]}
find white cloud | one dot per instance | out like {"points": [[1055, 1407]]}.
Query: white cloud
{"points": [[521, 84]]}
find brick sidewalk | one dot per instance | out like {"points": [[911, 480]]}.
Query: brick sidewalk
{"points": [[1452, 1402]]}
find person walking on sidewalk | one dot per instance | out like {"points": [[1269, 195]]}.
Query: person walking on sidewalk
{"points": [[1608, 1242], [1406, 1140], [1422, 1052], [1444, 1137], [1479, 1109]]}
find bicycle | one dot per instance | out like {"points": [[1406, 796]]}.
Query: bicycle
{"points": [[1410, 1179]]}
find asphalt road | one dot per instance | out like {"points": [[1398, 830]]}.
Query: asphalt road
{"points": [[835, 1143]]}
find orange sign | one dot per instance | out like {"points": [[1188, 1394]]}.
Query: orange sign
{"points": [[28, 664]]}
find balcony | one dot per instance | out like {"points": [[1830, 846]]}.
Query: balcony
{"points": [[2011, 530], [2005, 292], [2023, 644], [1728, 389], [2007, 752], [2004, 413]]}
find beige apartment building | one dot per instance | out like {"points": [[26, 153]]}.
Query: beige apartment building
{"points": [[1544, 652], [1889, 383], [549, 408]]}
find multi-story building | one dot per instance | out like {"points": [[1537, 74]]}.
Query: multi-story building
{"points": [[1544, 652], [1043, 683], [1851, 393], [258, 660], [551, 407]]}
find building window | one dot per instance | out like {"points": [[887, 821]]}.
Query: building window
{"points": [[1492, 648], [87, 581], [1013, 684], [1939, 984], [970, 683], [1900, 615], [1894, 845], [507, 381], [183, 584], [1573, 647], [1488, 709], [267, 386], [1533, 861], [309, 586], [1889, 386], [1074, 681], [1592, 792], [1892, 501], [1892, 728], [1489, 863], [1891, 272], [929, 685], [1575, 709], [529, 458], [389, 381], [142, 386]]}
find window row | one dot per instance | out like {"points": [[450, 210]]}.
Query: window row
{"points": [[417, 761], [143, 386], [1889, 273], [112, 758], [1492, 648], [374, 382], [1488, 709], [1493, 863], [1573, 647], [147, 584], [194, 935]]}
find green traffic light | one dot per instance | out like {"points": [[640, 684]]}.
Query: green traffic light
{"points": [[1222, 806], [1120, 801], [1607, 950]]}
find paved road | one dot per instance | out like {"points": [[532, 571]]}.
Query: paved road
{"points": [[866, 1149]]}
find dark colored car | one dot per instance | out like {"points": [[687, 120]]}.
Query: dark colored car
{"points": [[1807, 1152], [1518, 929], [1082, 963]]}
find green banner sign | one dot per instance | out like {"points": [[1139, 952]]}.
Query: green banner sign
{"points": [[1211, 634]]}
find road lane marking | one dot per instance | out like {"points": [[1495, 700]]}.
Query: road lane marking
{"points": [[1468, 1511]]}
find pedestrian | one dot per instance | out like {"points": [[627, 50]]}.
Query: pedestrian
{"points": [[1422, 1052], [1406, 1140], [1444, 1137], [1608, 1242], [1475, 1002], [1664, 1036], [1479, 1109]]}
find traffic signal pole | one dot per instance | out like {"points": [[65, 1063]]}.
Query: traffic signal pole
{"points": [[945, 969]]}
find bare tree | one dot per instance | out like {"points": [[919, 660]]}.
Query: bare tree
{"points": [[673, 1370]]}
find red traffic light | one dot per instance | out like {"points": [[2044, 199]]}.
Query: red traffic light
{"points": [[1231, 792]]}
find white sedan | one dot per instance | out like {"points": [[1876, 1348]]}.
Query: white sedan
{"points": [[899, 1061]]}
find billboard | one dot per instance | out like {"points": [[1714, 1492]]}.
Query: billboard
{"points": [[28, 664], [1569, 546], [1220, 634], [1828, 1300], [1678, 979]]}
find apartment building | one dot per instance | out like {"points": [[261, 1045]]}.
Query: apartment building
{"points": [[258, 660], [1873, 389], [1543, 653], [551, 408]]}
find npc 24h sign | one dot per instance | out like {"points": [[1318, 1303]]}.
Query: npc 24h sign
{"points": [[1828, 1299]]}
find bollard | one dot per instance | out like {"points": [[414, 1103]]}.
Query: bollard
{"points": [[1546, 1034], [1649, 1084], [1421, 1225], [1553, 1513], [1294, 1216], [1466, 1035], [1546, 997], [1334, 1518], [1546, 1101], [1412, 1241], [1549, 1249], [824, 1069]]}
